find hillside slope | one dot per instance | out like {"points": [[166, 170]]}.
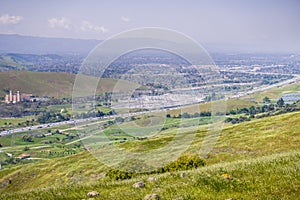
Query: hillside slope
{"points": [[271, 177], [261, 156], [45, 83]]}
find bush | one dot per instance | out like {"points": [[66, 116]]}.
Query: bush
{"points": [[127, 169], [27, 138], [116, 174], [131, 168], [229, 119], [185, 162]]}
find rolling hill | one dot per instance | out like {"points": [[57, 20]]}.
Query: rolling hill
{"points": [[260, 160], [14, 43], [49, 84]]}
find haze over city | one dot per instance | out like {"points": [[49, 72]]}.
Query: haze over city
{"points": [[251, 26]]}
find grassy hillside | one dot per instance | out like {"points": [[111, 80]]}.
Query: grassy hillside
{"points": [[272, 177], [45, 83], [246, 140], [8, 63], [261, 157]]}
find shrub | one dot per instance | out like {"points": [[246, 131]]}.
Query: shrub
{"points": [[116, 174], [185, 162], [131, 168], [27, 138], [229, 119]]}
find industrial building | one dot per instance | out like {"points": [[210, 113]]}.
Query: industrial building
{"points": [[16, 97]]}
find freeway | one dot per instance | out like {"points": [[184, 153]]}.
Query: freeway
{"points": [[28, 128], [90, 120], [72, 122]]}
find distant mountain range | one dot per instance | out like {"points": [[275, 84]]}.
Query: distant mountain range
{"points": [[20, 44], [40, 45]]}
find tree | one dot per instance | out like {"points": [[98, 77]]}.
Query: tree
{"points": [[196, 114], [252, 110], [119, 120], [232, 112], [27, 138], [185, 115], [266, 100], [280, 102], [264, 108]]}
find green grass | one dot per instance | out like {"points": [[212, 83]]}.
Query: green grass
{"points": [[67, 108], [39, 147], [14, 121], [139, 128], [258, 137], [271, 177], [15, 140], [246, 140], [261, 156]]}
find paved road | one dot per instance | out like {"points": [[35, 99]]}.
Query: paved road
{"points": [[28, 128], [73, 121]]}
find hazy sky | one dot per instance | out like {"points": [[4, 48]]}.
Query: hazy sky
{"points": [[253, 24]]}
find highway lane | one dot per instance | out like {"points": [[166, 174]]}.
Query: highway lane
{"points": [[73, 122], [40, 126]]}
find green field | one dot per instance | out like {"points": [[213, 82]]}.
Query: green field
{"points": [[261, 157], [14, 121]]}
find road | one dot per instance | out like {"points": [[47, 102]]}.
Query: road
{"points": [[40, 126], [73, 121]]}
